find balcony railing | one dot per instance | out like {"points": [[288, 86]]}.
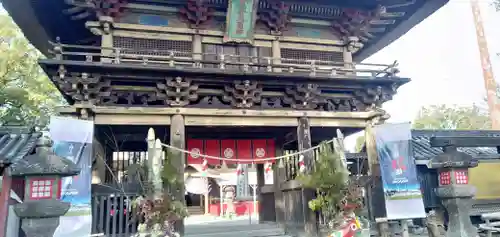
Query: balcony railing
{"points": [[222, 62]]}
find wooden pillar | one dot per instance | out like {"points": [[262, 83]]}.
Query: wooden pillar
{"points": [[278, 178], [4, 201], [383, 227], [100, 156], [178, 139], [304, 143], [375, 197], [197, 50], [261, 181], [106, 38], [347, 55], [261, 178], [276, 53]]}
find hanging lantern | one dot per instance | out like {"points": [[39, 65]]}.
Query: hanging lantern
{"points": [[268, 169], [204, 167], [239, 170], [302, 165]]}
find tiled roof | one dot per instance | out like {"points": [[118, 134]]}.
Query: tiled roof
{"points": [[422, 149], [16, 143]]}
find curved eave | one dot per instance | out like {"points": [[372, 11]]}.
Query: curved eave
{"points": [[422, 12], [44, 21], [23, 14]]}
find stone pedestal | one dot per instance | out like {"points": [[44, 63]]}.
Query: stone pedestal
{"points": [[458, 201], [41, 218], [37, 227]]}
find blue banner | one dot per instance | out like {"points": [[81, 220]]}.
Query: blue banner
{"points": [[73, 140], [403, 196]]}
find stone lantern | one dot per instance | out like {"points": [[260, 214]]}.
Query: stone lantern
{"points": [[42, 172], [454, 189]]}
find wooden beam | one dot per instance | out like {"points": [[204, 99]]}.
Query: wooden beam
{"points": [[304, 143], [376, 204], [220, 112], [131, 119], [331, 122], [240, 121], [278, 177], [166, 29], [178, 139]]}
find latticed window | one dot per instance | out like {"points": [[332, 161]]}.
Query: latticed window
{"points": [[42, 188], [303, 55], [154, 47]]}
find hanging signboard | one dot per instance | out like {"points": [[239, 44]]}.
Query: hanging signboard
{"points": [[240, 21], [73, 140], [402, 193]]}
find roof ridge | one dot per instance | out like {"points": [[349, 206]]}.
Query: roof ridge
{"points": [[444, 132], [17, 129]]}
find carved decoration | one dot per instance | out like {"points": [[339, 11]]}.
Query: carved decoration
{"points": [[276, 17], [196, 13], [83, 88], [111, 8], [177, 92], [130, 98], [211, 102], [356, 23], [344, 105], [81, 10], [376, 96], [272, 103], [304, 97], [243, 94]]}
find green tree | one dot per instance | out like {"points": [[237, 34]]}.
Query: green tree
{"points": [[452, 117], [26, 94]]}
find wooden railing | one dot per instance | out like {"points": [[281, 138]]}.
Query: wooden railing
{"points": [[222, 62], [114, 215]]}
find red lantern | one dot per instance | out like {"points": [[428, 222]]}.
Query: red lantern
{"points": [[228, 148], [212, 148], [239, 170], [260, 150], [244, 150], [195, 146], [204, 165], [302, 165]]}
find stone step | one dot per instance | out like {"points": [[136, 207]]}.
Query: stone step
{"points": [[234, 230], [194, 210]]}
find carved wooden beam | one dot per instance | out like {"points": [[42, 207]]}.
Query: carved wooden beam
{"points": [[83, 9], [356, 23], [276, 17], [196, 13], [177, 92]]}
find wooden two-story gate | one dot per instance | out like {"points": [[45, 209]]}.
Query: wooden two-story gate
{"points": [[221, 72]]}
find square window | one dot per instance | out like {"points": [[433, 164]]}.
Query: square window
{"points": [[42, 189]]}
